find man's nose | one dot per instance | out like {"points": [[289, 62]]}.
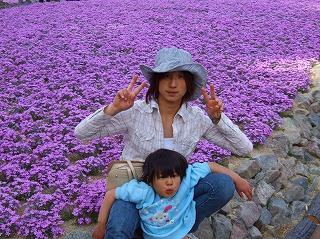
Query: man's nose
{"points": [[173, 82]]}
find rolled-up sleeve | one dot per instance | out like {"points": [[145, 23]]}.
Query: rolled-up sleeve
{"points": [[228, 135], [99, 125]]}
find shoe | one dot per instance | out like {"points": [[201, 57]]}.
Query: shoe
{"points": [[191, 236]]}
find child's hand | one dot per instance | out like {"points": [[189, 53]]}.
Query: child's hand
{"points": [[99, 231], [243, 187]]}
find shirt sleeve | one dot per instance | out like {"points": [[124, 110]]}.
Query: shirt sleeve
{"points": [[197, 171], [135, 192], [99, 125], [228, 135]]}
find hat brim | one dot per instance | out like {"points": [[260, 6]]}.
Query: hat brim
{"points": [[198, 71]]}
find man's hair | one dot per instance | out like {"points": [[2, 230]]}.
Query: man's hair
{"points": [[164, 163], [153, 91]]}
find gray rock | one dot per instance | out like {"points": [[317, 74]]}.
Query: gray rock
{"points": [[262, 193], [204, 230], [249, 213], [297, 209], [221, 226], [298, 153], [272, 175], [248, 169], [288, 165], [303, 101], [301, 181], [280, 219], [265, 161], [79, 235], [264, 220], [292, 131], [301, 169], [280, 144], [254, 233], [316, 95], [315, 108], [313, 185], [293, 193], [304, 124], [313, 148], [280, 182], [259, 177], [314, 170], [239, 230], [315, 132], [278, 206], [226, 209]]}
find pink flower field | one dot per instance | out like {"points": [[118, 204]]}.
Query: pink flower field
{"points": [[60, 61]]}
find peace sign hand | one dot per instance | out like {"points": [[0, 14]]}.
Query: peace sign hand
{"points": [[214, 106], [124, 98]]}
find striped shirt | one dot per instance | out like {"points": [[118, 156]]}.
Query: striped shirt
{"points": [[142, 128]]}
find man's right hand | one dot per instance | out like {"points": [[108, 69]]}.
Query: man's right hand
{"points": [[124, 98]]}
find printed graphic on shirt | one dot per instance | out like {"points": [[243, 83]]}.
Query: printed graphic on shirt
{"points": [[161, 213]]}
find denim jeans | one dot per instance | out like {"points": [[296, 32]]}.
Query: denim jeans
{"points": [[210, 194]]}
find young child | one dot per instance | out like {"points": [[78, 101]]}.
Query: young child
{"points": [[164, 195]]}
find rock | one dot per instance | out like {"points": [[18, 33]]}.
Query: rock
{"points": [[239, 230], [313, 148], [79, 235], [204, 231], [265, 160], [293, 193], [248, 169], [280, 219], [254, 233], [264, 220], [222, 226], [297, 209], [301, 181], [262, 193], [304, 124], [280, 144], [301, 169], [248, 213], [278, 206], [292, 131]]}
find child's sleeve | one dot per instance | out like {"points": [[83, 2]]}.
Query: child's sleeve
{"points": [[133, 191], [198, 171]]}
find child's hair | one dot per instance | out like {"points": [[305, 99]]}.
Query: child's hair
{"points": [[164, 163], [153, 91]]}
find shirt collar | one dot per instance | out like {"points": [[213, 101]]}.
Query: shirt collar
{"points": [[183, 111]]}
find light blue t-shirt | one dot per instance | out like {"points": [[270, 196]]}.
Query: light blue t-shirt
{"points": [[165, 218]]}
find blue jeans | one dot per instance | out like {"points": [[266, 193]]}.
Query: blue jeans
{"points": [[210, 194]]}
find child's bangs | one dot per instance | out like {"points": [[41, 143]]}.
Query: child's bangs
{"points": [[168, 167]]}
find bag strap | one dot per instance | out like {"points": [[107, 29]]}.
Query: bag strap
{"points": [[134, 174]]}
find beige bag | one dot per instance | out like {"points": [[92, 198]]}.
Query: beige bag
{"points": [[122, 171]]}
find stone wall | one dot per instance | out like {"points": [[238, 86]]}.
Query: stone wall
{"points": [[284, 174]]}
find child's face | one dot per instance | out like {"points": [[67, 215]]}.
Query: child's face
{"points": [[172, 86], [166, 186]]}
